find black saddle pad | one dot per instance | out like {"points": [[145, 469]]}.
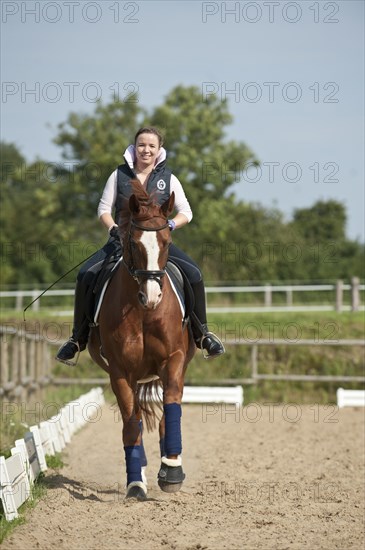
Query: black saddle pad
{"points": [[108, 271], [182, 286], [103, 272]]}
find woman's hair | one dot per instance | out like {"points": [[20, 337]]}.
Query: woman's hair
{"points": [[150, 130]]}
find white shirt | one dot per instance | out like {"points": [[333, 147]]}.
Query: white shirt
{"points": [[108, 198]]}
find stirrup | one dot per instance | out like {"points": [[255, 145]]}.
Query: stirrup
{"points": [[204, 351], [70, 362]]}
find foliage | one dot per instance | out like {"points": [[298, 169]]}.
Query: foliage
{"points": [[48, 215], [198, 152], [246, 329], [324, 221], [55, 462], [94, 145]]}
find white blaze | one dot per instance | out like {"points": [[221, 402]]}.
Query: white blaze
{"points": [[149, 241]]}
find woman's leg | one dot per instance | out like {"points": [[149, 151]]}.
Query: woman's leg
{"points": [[85, 278], [203, 338]]}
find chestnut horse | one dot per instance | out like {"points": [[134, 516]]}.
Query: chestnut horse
{"points": [[143, 344]]}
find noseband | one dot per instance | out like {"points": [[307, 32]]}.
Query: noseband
{"points": [[141, 275]]}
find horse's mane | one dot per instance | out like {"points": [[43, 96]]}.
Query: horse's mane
{"points": [[147, 202], [139, 192]]}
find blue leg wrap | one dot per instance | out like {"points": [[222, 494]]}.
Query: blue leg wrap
{"points": [[143, 454], [172, 429], [133, 463]]}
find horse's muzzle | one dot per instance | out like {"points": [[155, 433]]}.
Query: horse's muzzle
{"points": [[149, 295], [142, 298], [151, 298]]}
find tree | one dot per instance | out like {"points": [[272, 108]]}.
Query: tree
{"points": [[48, 214], [92, 147], [195, 132], [327, 254], [238, 241], [12, 162], [198, 153], [324, 221], [38, 242]]}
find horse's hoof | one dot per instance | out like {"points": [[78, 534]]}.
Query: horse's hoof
{"points": [[170, 478], [137, 492], [169, 487]]}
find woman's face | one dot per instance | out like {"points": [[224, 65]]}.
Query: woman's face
{"points": [[147, 149]]}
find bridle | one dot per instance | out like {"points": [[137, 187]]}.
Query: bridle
{"points": [[142, 275]]}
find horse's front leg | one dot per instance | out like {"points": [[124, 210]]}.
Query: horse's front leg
{"points": [[171, 475], [132, 438]]}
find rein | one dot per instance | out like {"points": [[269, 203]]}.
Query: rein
{"points": [[141, 275]]}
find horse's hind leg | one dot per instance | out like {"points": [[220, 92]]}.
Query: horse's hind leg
{"points": [[132, 438]]}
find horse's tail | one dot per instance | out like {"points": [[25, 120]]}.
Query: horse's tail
{"points": [[150, 400]]}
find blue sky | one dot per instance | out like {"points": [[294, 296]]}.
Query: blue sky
{"points": [[293, 73]]}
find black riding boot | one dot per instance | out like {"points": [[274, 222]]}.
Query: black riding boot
{"points": [[80, 331], [204, 339]]}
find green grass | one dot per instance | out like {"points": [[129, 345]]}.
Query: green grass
{"points": [[236, 363], [281, 359], [55, 462], [324, 326], [289, 326]]}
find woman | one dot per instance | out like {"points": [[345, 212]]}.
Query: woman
{"points": [[145, 161]]}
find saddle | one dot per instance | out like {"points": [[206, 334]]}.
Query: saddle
{"points": [[179, 282]]}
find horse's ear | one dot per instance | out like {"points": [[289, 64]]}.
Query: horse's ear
{"points": [[168, 205], [134, 205]]}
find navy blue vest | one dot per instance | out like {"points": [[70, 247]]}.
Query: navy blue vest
{"points": [[158, 186]]}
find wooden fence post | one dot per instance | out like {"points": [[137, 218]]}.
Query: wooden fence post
{"points": [[35, 305], [268, 295], [254, 362], [32, 361], [48, 360], [339, 295], [39, 359], [23, 366], [15, 360], [289, 297], [355, 293], [4, 371], [19, 302]]}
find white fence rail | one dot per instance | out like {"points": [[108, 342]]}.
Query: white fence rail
{"points": [[19, 472], [208, 394], [26, 363], [268, 290], [350, 398]]}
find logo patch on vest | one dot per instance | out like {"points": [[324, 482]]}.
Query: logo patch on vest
{"points": [[161, 185]]}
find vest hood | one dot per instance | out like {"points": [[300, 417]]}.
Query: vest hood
{"points": [[130, 156]]}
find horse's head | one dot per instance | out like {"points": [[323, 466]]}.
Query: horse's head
{"points": [[146, 246]]}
